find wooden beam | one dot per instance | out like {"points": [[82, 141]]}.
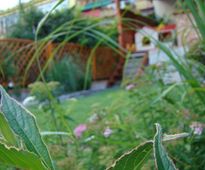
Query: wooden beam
{"points": [[119, 23]]}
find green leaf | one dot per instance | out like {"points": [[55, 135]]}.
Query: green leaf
{"points": [[134, 159], [20, 159], [6, 131], [164, 93], [163, 162], [48, 133], [23, 123], [175, 136]]}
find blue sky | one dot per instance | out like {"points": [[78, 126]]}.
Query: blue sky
{"points": [[5, 4]]}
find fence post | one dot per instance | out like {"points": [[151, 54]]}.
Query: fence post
{"points": [[49, 50], [94, 65]]}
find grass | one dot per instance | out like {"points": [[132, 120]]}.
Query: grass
{"points": [[130, 114], [77, 110]]}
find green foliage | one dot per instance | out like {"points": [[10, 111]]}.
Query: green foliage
{"points": [[27, 22], [134, 159], [190, 153], [197, 52], [30, 19], [197, 10], [19, 158], [56, 19], [69, 73], [23, 124], [6, 131], [129, 114], [44, 91], [197, 146], [7, 65]]}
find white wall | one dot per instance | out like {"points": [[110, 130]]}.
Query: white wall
{"points": [[145, 32], [158, 57], [164, 8]]}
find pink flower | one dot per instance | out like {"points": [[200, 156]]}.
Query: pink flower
{"points": [[78, 131], [107, 132], [130, 87], [197, 128]]}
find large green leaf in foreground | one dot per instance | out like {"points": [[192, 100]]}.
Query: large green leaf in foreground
{"points": [[6, 131], [20, 159], [23, 123], [163, 162], [134, 159]]}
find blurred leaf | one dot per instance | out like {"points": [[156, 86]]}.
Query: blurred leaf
{"points": [[196, 7], [164, 93], [163, 162], [175, 136], [134, 159], [49, 133], [23, 123], [6, 131], [21, 159]]}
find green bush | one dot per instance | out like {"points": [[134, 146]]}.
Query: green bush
{"points": [[70, 73], [197, 52], [7, 66], [43, 91], [30, 18], [27, 23]]}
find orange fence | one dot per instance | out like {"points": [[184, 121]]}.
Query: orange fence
{"points": [[104, 59]]}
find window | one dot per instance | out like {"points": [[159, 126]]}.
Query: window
{"points": [[146, 41]]}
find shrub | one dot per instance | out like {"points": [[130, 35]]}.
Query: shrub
{"points": [[29, 19], [28, 22], [69, 72], [197, 52], [7, 66], [42, 91]]}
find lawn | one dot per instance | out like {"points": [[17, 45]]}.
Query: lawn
{"points": [[75, 111], [78, 110]]}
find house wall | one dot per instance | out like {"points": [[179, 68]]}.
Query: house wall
{"points": [[164, 8], [143, 4], [167, 72], [141, 34]]}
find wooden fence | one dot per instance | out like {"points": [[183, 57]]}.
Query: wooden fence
{"points": [[25, 54]]}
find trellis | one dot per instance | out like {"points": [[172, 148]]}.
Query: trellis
{"points": [[104, 60]]}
